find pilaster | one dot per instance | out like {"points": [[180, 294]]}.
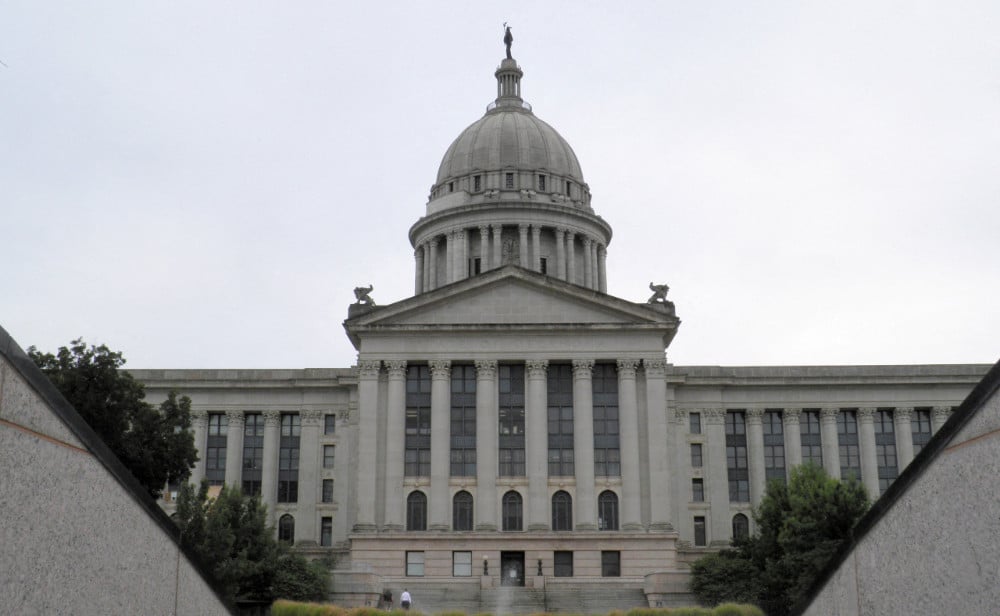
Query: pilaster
{"points": [[487, 434], [661, 449], [628, 420], [305, 523], [364, 507], [536, 444], [560, 272], [585, 504], [440, 503], [720, 528], [395, 441]]}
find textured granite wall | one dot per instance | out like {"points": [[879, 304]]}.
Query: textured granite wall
{"points": [[73, 538], [937, 549]]}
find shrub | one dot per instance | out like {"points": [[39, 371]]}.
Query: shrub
{"points": [[736, 609]]}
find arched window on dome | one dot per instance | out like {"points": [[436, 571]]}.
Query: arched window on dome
{"points": [[461, 511], [416, 511], [512, 512], [741, 527], [562, 511], [286, 529]]}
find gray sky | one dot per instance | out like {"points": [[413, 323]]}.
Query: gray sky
{"points": [[203, 184]]}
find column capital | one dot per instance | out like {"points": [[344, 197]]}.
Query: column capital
{"points": [[601, 249], [755, 415], [440, 368], [678, 416], [626, 368], [560, 232], [459, 234], [396, 368], [312, 418], [523, 228], [791, 416], [369, 368], [656, 367], [830, 413], [537, 368], [486, 368], [236, 418], [272, 419], [418, 252], [497, 228], [587, 242], [866, 413], [582, 368], [484, 229], [902, 413], [713, 416], [942, 412], [434, 241], [199, 417]]}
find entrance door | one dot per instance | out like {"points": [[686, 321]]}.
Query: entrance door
{"points": [[512, 568]]}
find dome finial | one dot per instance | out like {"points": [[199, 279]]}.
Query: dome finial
{"points": [[508, 38], [508, 79]]}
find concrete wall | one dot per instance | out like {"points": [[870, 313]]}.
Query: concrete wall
{"points": [[76, 536]]}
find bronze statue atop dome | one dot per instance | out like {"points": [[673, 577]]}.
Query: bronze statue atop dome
{"points": [[508, 38]]}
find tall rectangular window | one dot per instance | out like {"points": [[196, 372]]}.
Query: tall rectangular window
{"points": [[560, 413], [511, 383], [696, 459], [509, 180], [329, 455], [463, 421], [288, 458], [563, 564], [920, 425], [699, 531], [328, 490], [253, 453], [541, 182], [611, 563], [418, 422], [215, 449], [329, 424], [736, 457], [694, 423], [698, 490], [607, 455], [885, 448], [326, 532], [477, 183], [847, 441], [774, 446], [461, 564], [812, 441], [415, 564]]}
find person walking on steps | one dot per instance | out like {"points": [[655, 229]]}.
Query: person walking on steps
{"points": [[405, 600]]}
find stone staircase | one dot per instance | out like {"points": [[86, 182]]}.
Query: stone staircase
{"points": [[593, 600], [512, 600]]}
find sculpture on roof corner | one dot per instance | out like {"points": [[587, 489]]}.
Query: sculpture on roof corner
{"points": [[362, 295], [508, 38], [659, 299]]}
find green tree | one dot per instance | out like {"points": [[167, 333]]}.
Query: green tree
{"points": [[798, 529], [156, 445], [230, 536]]}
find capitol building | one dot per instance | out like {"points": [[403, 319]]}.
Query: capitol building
{"points": [[512, 427]]}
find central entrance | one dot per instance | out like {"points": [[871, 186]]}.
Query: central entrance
{"points": [[512, 568]]}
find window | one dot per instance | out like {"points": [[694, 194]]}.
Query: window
{"points": [[847, 441], [694, 423], [286, 529], [417, 455], [885, 449], [215, 449], [288, 458], [563, 564], [607, 511], [461, 564], [326, 532], [451, 187], [328, 455], [607, 455], [329, 424], [696, 455], [560, 412], [699, 531], [476, 266], [512, 518], [461, 511], [511, 441], [774, 446], [920, 425], [698, 490], [463, 421], [567, 188], [736, 457], [253, 453], [328, 490], [477, 183], [416, 512], [541, 182], [611, 564], [741, 527], [812, 445], [415, 564], [562, 511], [509, 180], [544, 263]]}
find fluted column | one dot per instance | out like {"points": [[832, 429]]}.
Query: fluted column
{"points": [[755, 454], [536, 444], [199, 425], [588, 264], [463, 254], [418, 275], [939, 416], [364, 506], [718, 475], [449, 257], [269, 471], [869, 464], [432, 266], [594, 277], [904, 436], [560, 272], [570, 257], [487, 428], [602, 272], [828, 439], [522, 245], [234, 449], [536, 248], [395, 444], [440, 504], [793, 438], [660, 448], [305, 523], [585, 505], [484, 248], [628, 419], [497, 246]]}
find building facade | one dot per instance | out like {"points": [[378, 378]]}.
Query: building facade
{"points": [[512, 424]]}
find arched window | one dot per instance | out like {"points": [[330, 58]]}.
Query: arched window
{"points": [[562, 511], [416, 511], [741, 526], [512, 518], [286, 529], [607, 511], [461, 511]]}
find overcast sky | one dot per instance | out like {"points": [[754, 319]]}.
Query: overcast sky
{"points": [[203, 184]]}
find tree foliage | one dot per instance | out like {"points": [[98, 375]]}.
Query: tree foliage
{"points": [[156, 445], [799, 526], [229, 534]]}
